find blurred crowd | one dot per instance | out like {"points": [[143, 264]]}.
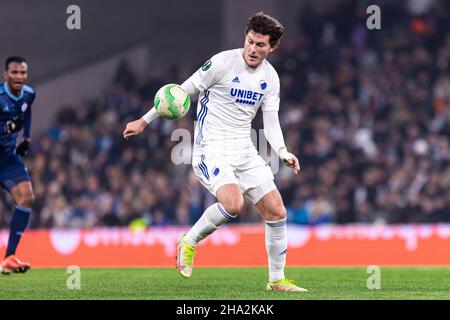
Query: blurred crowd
{"points": [[366, 111]]}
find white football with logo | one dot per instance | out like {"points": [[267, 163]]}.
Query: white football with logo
{"points": [[172, 102]]}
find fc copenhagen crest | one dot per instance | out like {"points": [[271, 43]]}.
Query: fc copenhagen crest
{"points": [[263, 84], [24, 107]]}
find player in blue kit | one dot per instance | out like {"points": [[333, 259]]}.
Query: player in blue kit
{"points": [[16, 99]]}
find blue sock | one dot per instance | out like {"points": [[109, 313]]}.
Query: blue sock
{"points": [[19, 222]]}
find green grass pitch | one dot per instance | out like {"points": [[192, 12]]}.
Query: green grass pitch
{"points": [[227, 284]]}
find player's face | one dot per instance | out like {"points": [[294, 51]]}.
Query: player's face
{"points": [[256, 48], [16, 75]]}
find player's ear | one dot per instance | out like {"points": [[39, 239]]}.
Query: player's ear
{"points": [[5, 75], [273, 48]]}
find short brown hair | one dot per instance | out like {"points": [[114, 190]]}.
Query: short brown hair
{"points": [[265, 25]]}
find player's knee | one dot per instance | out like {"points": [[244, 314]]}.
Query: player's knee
{"points": [[278, 212], [234, 206]]}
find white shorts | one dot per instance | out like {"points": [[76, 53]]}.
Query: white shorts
{"points": [[250, 172]]}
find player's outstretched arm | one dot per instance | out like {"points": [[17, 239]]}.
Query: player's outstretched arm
{"points": [[135, 127]]}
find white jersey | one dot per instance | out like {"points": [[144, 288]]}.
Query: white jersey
{"points": [[230, 94]]}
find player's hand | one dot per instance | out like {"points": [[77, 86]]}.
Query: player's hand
{"points": [[134, 128], [23, 147], [14, 125], [290, 160]]}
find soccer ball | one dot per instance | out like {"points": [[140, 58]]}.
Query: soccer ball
{"points": [[172, 102]]}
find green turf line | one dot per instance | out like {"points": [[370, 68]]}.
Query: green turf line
{"points": [[227, 284]]}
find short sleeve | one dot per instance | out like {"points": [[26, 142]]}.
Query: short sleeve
{"points": [[209, 73], [30, 94]]}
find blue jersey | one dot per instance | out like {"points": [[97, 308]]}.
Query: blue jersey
{"points": [[12, 107]]}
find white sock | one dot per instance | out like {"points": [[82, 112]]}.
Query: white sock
{"points": [[210, 221], [276, 247]]}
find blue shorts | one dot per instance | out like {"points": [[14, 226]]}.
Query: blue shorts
{"points": [[12, 171]]}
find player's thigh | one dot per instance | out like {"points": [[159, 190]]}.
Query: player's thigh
{"points": [[255, 178], [12, 173], [271, 206]]}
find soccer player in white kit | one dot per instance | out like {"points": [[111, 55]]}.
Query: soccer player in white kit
{"points": [[233, 85]]}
